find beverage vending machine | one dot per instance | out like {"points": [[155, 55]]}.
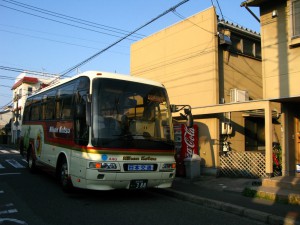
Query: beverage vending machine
{"points": [[186, 144]]}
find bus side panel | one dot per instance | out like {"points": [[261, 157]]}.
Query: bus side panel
{"points": [[77, 165], [33, 136], [59, 137]]}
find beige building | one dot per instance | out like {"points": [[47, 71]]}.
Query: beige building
{"points": [[24, 86], [216, 67], [280, 32]]}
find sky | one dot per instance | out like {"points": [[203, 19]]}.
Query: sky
{"points": [[36, 35]]}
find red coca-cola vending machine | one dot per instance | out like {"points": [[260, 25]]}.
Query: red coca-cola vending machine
{"points": [[186, 144]]}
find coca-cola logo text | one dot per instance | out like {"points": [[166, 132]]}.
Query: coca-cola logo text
{"points": [[189, 140]]}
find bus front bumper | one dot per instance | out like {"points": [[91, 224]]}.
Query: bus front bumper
{"points": [[96, 180]]}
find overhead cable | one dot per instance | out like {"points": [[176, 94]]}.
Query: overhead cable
{"points": [[19, 70], [118, 41], [70, 18], [61, 22]]}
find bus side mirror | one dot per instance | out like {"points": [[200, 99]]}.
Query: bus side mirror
{"points": [[189, 121], [188, 117], [174, 108], [187, 113]]}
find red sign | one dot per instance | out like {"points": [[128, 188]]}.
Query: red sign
{"points": [[186, 144], [189, 141]]}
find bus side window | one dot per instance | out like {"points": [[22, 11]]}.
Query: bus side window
{"points": [[26, 113], [35, 108], [35, 112], [50, 110], [58, 106], [50, 105], [67, 107], [64, 102], [80, 99], [43, 109]]}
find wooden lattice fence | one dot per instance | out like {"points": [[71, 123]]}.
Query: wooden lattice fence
{"points": [[243, 164]]}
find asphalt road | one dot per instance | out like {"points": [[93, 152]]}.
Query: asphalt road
{"points": [[37, 199]]}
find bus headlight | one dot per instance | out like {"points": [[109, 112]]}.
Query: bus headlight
{"points": [[103, 165]]}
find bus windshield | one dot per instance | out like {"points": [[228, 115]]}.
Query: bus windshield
{"points": [[128, 114]]}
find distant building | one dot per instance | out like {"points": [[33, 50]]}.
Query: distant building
{"points": [[5, 129], [24, 86], [5, 116]]}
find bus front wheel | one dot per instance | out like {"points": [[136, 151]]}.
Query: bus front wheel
{"points": [[64, 178]]}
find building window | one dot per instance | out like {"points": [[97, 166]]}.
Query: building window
{"points": [[29, 91], [248, 47], [254, 133], [296, 18], [236, 43], [257, 49], [245, 46]]}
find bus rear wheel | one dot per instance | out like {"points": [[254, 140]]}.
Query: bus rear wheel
{"points": [[63, 176]]}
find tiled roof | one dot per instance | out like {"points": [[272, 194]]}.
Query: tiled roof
{"points": [[27, 80], [239, 27]]}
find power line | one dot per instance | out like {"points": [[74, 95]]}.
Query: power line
{"points": [[70, 18], [220, 10], [47, 39], [7, 104], [115, 31], [187, 19], [126, 36], [57, 21], [48, 33], [19, 70]]}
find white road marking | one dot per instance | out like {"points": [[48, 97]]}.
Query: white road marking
{"points": [[9, 211], [15, 151], [4, 151], [1, 167], [8, 205], [14, 163], [2, 220], [4, 174]]}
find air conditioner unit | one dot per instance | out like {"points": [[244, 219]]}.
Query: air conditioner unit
{"points": [[238, 95]]}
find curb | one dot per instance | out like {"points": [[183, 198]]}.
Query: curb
{"points": [[274, 194], [231, 208]]}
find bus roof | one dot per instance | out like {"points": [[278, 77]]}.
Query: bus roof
{"points": [[99, 74]]}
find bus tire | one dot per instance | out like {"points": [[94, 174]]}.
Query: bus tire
{"points": [[63, 175], [31, 163]]}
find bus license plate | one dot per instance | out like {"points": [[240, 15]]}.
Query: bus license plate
{"points": [[138, 184], [140, 167]]}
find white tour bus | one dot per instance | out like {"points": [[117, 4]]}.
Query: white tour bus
{"points": [[101, 131]]}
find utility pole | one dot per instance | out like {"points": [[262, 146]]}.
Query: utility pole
{"points": [[17, 114]]}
